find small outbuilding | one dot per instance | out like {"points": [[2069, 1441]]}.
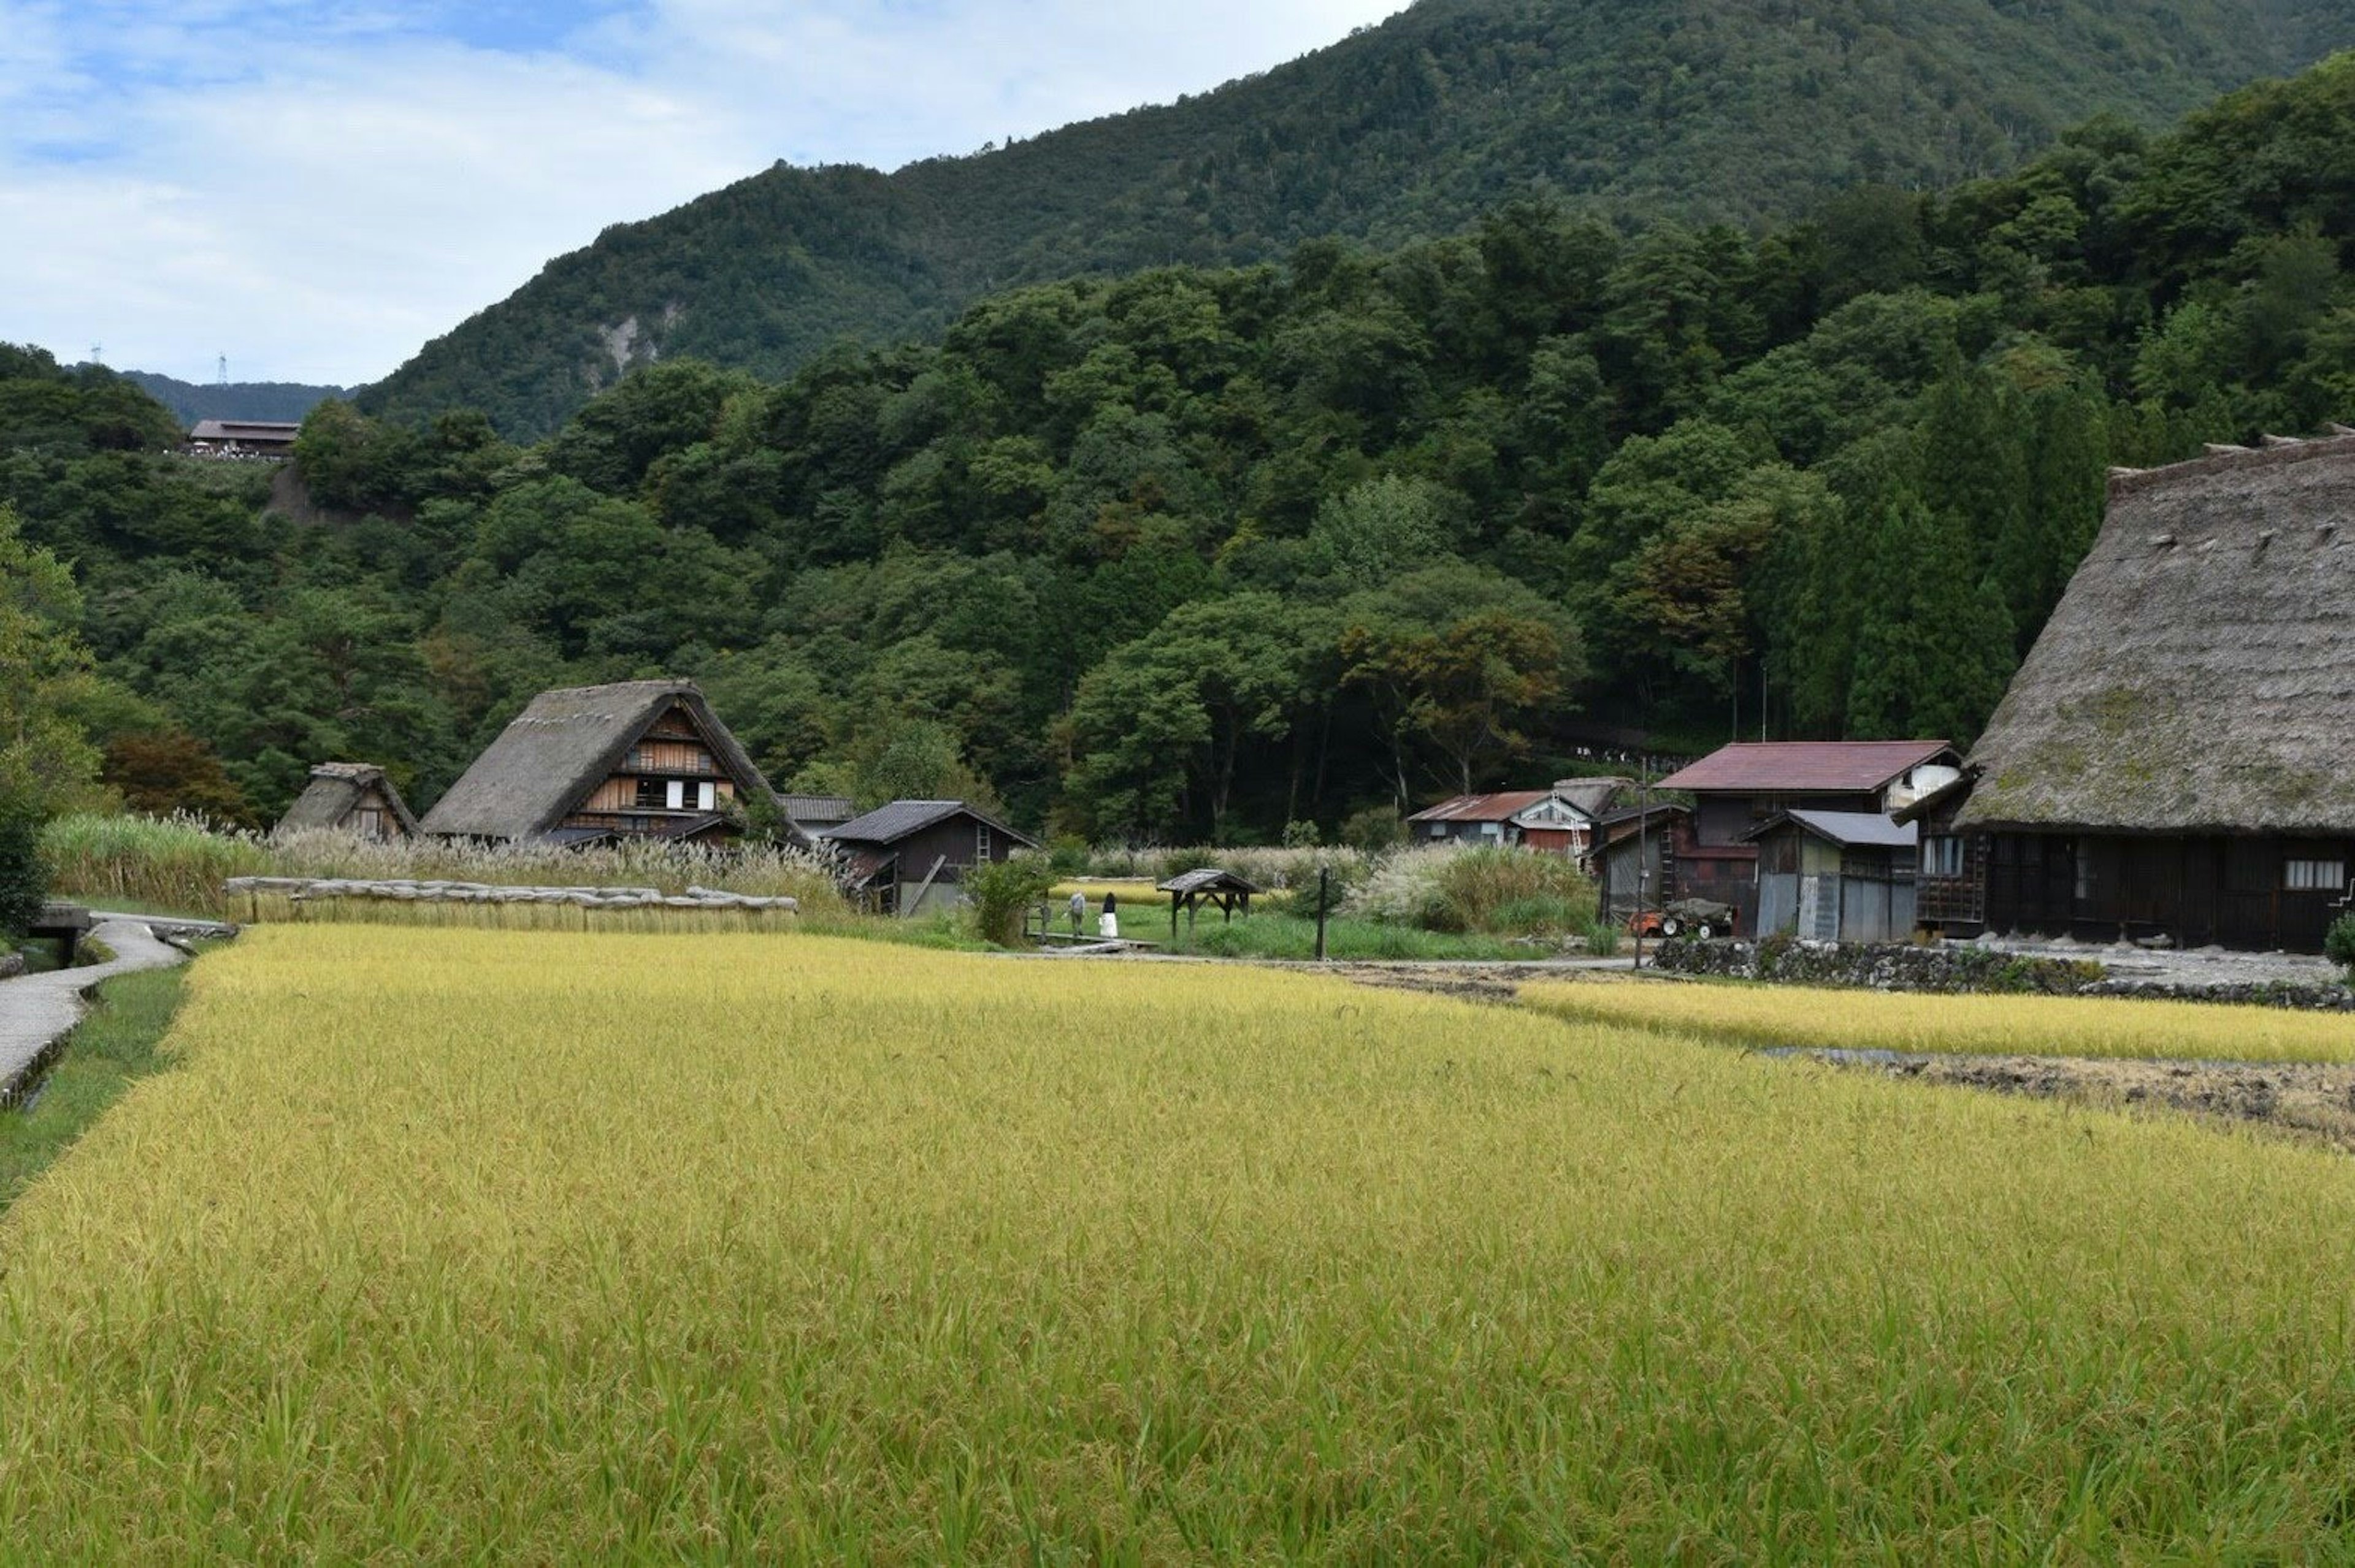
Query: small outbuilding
{"points": [[1223, 890], [911, 855], [350, 797], [1836, 876]]}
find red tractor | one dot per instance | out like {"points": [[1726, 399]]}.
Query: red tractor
{"points": [[1703, 918]]}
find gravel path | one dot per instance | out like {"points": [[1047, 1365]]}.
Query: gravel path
{"points": [[36, 1010]]}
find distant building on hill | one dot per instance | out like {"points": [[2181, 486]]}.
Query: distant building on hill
{"points": [[350, 797], [643, 759], [242, 438], [2176, 759], [911, 855]]}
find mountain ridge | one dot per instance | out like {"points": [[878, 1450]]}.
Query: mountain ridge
{"points": [[1734, 110]]}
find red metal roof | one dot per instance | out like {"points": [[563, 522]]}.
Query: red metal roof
{"points": [[1483, 807], [1806, 767]]}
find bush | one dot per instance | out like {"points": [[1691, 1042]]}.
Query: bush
{"points": [[2339, 945], [1497, 891], [1002, 892], [1376, 831], [23, 871]]}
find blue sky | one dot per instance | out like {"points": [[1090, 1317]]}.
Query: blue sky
{"points": [[315, 189]]}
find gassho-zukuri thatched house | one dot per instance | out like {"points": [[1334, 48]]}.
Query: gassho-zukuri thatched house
{"points": [[349, 797], [593, 763], [2176, 757]]}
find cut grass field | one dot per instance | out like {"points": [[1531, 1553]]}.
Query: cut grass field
{"points": [[455, 1246], [1811, 1019]]}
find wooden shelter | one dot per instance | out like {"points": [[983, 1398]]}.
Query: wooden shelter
{"points": [[590, 764], [1222, 890], [2176, 757], [912, 854], [350, 797]]}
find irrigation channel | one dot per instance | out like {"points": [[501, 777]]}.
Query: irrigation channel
{"points": [[37, 1011]]}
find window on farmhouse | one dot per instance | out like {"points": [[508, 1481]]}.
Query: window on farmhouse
{"points": [[650, 794], [981, 844], [2315, 876], [1942, 857]]}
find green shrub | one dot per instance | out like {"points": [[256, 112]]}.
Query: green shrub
{"points": [[1376, 831], [1002, 892], [2339, 945], [23, 869]]}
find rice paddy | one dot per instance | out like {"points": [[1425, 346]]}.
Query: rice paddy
{"points": [[435, 1244], [1808, 1019]]}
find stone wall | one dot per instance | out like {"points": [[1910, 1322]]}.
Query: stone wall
{"points": [[305, 890], [1963, 970]]}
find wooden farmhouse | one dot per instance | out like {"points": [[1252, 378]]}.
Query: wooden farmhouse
{"points": [[244, 438], [1742, 788], [1557, 821], [911, 855], [2176, 759], [349, 797], [590, 764]]}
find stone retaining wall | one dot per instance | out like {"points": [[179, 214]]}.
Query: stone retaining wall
{"points": [[1962, 970], [305, 890]]}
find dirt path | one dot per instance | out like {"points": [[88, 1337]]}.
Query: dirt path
{"points": [[37, 1011], [2312, 1102]]}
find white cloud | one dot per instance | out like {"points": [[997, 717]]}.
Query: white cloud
{"points": [[316, 190]]}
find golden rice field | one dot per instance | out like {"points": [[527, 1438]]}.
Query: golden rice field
{"points": [[1991, 1026], [461, 1245]]}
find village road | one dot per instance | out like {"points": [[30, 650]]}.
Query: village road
{"points": [[35, 1009]]}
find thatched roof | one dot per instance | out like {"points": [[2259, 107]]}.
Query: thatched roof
{"points": [[2200, 674], [566, 743], [335, 789]]}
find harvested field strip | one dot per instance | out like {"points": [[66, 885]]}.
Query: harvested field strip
{"points": [[456, 1245], [1973, 1026]]}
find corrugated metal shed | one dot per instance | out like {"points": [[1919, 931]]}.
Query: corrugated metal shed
{"points": [[1483, 807], [904, 818]]}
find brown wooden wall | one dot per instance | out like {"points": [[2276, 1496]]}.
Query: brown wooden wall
{"points": [[2194, 891]]}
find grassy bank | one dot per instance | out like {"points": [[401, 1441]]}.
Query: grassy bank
{"points": [[1284, 937], [441, 1245], [112, 1047], [1978, 1026]]}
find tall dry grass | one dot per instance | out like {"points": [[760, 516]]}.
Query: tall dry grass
{"points": [[180, 863]]}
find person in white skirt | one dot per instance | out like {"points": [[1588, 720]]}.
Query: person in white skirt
{"points": [[1108, 923]]}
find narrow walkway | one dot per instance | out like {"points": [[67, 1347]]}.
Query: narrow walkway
{"points": [[35, 1009]]}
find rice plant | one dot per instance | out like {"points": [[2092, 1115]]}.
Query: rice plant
{"points": [[441, 1245], [1804, 1019]]}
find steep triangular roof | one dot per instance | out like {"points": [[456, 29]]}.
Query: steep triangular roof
{"points": [[560, 748], [335, 788], [2199, 672]]}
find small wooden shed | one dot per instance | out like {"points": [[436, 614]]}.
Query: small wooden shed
{"points": [[1836, 876], [350, 797]]}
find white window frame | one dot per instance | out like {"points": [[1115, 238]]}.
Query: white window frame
{"points": [[981, 844], [674, 794], [707, 796], [2304, 875]]}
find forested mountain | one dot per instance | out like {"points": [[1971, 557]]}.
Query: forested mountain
{"points": [[273, 401], [1695, 109], [1213, 550]]}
